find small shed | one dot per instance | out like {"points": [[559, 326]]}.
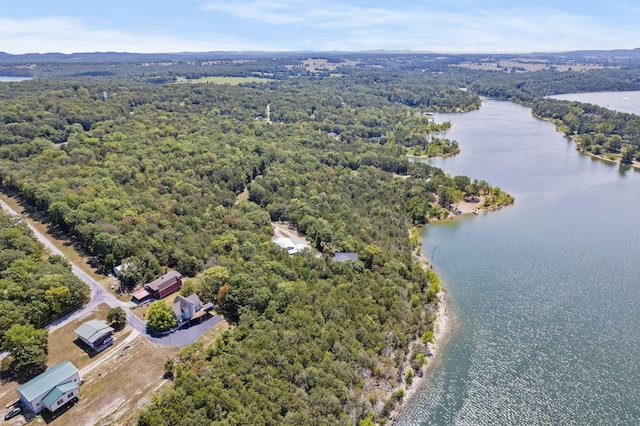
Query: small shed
{"points": [[140, 295], [51, 389], [166, 284], [97, 334]]}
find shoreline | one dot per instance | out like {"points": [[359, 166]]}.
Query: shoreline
{"points": [[441, 329], [634, 165]]}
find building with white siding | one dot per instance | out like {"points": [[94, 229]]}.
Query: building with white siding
{"points": [[51, 389]]}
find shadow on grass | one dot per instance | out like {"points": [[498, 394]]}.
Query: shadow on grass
{"points": [[10, 373]]}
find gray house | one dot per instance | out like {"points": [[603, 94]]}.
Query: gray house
{"points": [[186, 308]]}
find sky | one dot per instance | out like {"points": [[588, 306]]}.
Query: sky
{"points": [[447, 26]]}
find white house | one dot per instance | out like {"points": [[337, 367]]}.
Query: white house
{"points": [[51, 389]]}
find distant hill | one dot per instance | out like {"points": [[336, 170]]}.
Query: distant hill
{"points": [[94, 57], [6, 58]]}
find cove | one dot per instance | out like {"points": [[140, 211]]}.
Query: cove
{"points": [[544, 295]]}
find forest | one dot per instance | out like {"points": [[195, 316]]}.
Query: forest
{"points": [[190, 177], [34, 288], [140, 170]]}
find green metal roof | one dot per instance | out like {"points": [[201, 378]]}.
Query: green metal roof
{"points": [[47, 380], [93, 330], [57, 392]]}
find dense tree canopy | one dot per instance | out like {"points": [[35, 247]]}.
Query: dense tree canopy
{"points": [[33, 289], [190, 177]]}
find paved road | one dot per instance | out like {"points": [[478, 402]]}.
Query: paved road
{"points": [[99, 295]]}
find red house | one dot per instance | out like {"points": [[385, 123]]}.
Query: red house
{"points": [[165, 285]]}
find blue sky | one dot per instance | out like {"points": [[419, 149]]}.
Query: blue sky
{"points": [[70, 26]]}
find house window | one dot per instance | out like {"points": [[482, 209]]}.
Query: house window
{"points": [[69, 395]]}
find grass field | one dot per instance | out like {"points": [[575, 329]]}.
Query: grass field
{"points": [[233, 81]]}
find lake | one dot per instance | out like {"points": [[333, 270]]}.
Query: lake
{"points": [[10, 79], [544, 295], [617, 101]]}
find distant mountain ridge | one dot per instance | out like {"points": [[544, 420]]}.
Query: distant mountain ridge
{"points": [[138, 57], [94, 57]]}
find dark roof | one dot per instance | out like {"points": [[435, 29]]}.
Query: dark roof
{"points": [[344, 256], [165, 281], [207, 306]]}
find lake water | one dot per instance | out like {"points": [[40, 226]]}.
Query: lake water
{"points": [[545, 294], [617, 101], [10, 79]]}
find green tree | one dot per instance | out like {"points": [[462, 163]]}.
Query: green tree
{"points": [[117, 318], [212, 279], [59, 298], [160, 317], [28, 348], [169, 369], [627, 155]]}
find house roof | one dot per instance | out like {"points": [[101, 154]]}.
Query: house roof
{"points": [[140, 294], [57, 392], [193, 298], [120, 268], [47, 380], [93, 330], [344, 256], [181, 302], [164, 281]]}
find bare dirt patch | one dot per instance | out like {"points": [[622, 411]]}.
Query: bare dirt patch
{"points": [[283, 229]]}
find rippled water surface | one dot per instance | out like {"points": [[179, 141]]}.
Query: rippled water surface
{"points": [[545, 294]]}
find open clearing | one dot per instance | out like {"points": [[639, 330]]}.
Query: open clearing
{"points": [[233, 81], [117, 378], [118, 382], [524, 66], [282, 229]]}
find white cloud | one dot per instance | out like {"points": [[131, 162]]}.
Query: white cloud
{"points": [[270, 12], [449, 26], [69, 35]]}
